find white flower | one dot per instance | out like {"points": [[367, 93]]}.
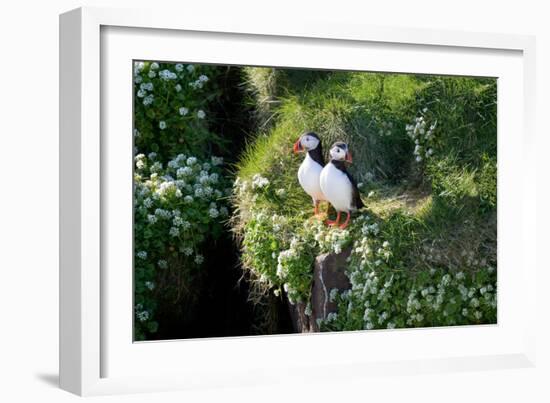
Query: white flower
{"points": [[165, 188], [152, 74], [152, 219], [259, 181], [199, 259], [213, 212], [213, 178], [280, 192], [154, 66], [163, 264], [143, 316], [187, 251], [191, 161], [203, 78], [333, 294], [140, 164], [167, 75], [217, 161], [188, 199], [201, 114], [183, 111], [190, 68], [199, 192], [174, 231], [184, 171], [156, 167], [332, 316], [178, 87], [162, 125], [150, 285], [179, 67], [142, 254], [148, 202], [148, 100], [138, 66]]}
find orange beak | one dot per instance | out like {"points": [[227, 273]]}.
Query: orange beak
{"points": [[348, 157], [297, 147]]}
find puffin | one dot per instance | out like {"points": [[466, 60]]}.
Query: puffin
{"points": [[337, 184], [310, 169]]}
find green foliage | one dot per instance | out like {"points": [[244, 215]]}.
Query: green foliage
{"points": [[368, 110], [465, 111], [424, 249], [385, 293], [170, 109], [177, 209], [180, 189]]}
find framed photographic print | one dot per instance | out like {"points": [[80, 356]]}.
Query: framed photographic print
{"points": [[231, 197]]}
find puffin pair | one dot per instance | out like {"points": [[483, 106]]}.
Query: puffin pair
{"points": [[331, 182]]}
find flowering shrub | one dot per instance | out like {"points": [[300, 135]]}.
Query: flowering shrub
{"points": [[170, 107], [177, 208], [424, 151], [385, 295], [422, 135]]}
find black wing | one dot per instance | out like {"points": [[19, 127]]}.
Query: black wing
{"points": [[356, 197]]}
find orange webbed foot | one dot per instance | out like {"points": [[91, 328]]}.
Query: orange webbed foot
{"points": [[346, 223], [334, 223]]}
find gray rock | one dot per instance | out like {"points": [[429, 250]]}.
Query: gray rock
{"points": [[328, 273]]}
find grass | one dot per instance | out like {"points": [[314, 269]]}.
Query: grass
{"points": [[439, 213], [370, 111]]}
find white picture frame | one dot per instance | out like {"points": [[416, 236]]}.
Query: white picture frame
{"points": [[97, 355]]}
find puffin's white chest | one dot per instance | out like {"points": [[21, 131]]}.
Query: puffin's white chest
{"points": [[308, 176], [336, 187]]}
